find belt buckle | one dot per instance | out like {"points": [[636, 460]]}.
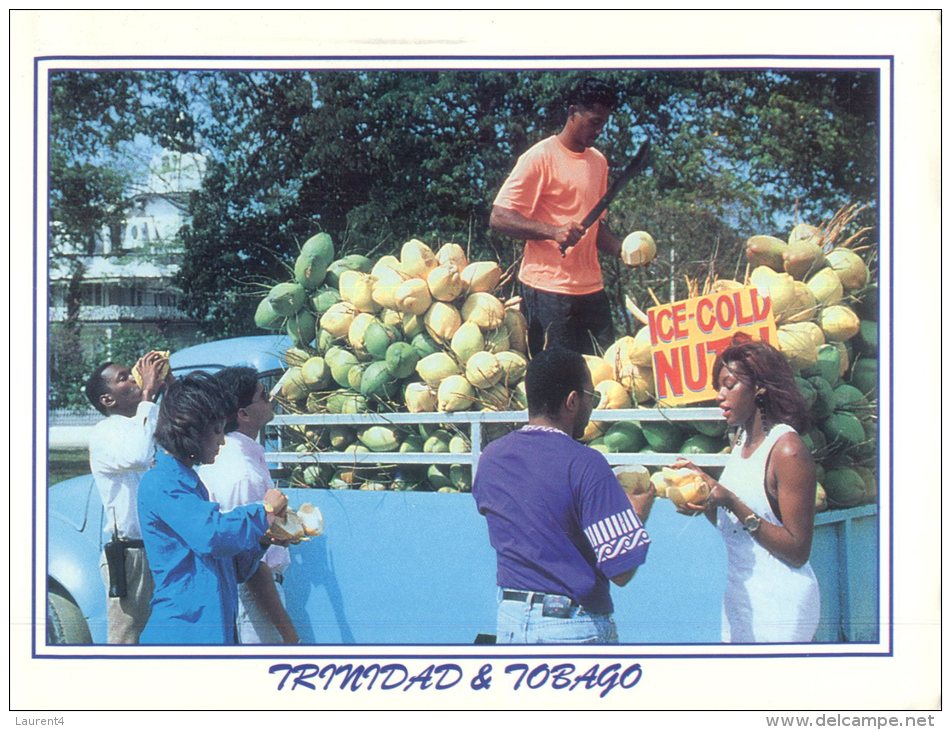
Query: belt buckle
{"points": [[554, 606]]}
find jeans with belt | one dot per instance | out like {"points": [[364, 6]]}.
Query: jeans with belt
{"points": [[522, 622]]}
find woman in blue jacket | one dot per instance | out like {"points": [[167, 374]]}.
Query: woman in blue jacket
{"points": [[197, 553]]}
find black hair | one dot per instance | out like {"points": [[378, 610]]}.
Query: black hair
{"points": [[551, 375], [591, 91], [241, 383], [761, 365], [96, 387], [191, 405]]}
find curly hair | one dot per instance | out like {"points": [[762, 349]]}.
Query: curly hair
{"points": [[551, 375], [590, 91], [190, 407], [96, 387], [241, 382], [761, 365]]}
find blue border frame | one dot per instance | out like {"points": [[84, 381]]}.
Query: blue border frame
{"points": [[324, 650]]}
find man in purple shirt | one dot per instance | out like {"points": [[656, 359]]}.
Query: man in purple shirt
{"points": [[561, 525]]}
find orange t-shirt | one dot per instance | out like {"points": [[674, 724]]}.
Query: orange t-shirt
{"points": [[552, 184]]}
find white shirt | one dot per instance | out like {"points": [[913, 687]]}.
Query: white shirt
{"points": [[240, 476], [121, 450]]}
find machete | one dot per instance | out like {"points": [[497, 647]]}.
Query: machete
{"points": [[633, 167]]}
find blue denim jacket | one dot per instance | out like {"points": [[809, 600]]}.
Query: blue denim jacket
{"points": [[197, 554]]}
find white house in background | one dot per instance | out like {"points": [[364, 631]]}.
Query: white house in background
{"points": [[128, 281]]}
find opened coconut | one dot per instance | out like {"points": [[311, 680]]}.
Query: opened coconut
{"points": [[638, 249]]}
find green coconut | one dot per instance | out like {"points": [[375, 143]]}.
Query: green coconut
{"points": [[850, 398], [700, 444], [346, 401], [461, 477], [377, 381], [828, 364], [624, 436], [401, 359], [323, 299], [424, 345], [438, 477], [319, 246], [849, 267], [286, 298], [310, 269], [662, 436], [297, 355], [824, 403], [302, 328], [379, 438], [341, 437], [497, 340], [765, 251], [843, 430], [266, 318], [437, 442], [355, 375], [378, 338], [865, 376], [844, 487], [293, 387], [808, 392], [866, 341], [709, 428], [340, 362]]}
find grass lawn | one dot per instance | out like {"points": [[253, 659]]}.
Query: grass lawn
{"points": [[66, 463]]}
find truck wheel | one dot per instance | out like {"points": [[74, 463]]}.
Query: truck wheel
{"points": [[65, 623]]}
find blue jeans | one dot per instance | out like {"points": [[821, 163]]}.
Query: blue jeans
{"points": [[521, 622]]}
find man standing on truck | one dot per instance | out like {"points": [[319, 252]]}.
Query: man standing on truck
{"points": [[240, 476], [552, 187], [121, 449], [561, 525]]}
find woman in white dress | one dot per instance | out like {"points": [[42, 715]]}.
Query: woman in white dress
{"points": [[764, 501]]}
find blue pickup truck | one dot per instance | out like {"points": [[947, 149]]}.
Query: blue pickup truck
{"points": [[416, 568]]}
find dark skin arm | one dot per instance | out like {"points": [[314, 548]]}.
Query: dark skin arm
{"points": [[791, 481], [510, 223], [642, 504]]}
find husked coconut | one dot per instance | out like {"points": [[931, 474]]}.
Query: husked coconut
{"points": [[417, 259], [445, 283], [442, 320], [482, 276], [452, 253], [413, 297], [638, 249], [484, 309]]}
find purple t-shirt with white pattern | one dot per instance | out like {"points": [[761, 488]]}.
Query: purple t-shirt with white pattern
{"points": [[557, 517]]}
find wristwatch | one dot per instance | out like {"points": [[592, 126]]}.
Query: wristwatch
{"points": [[751, 523]]}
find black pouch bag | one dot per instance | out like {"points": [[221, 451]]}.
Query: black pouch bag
{"points": [[115, 560]]}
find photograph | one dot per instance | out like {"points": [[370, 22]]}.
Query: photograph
{"points": [[423, 367]]}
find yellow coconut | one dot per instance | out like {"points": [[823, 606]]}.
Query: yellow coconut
{"points": [[445, 283], [803, 255], [517, 327], [778, 287], [613, 395], [357, 289], [725, 285], [849, 267], [483, 370], [467, 341], [419, 398], [765, 251], [441, 321], [391, 318], [417, 259], [484, 309], [455, 393], [826, 287], [599, 368], [692, 490], [387, 278], [639, 381], [337, 319], [660, 484], [797, 346], [839, 323], [435, 368], [413, 297], [809, 329], [633, 478], [804, 305], [358, 329], [482, 276], [452, 253], [638, 249], [514, 364], [803, 232]]}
